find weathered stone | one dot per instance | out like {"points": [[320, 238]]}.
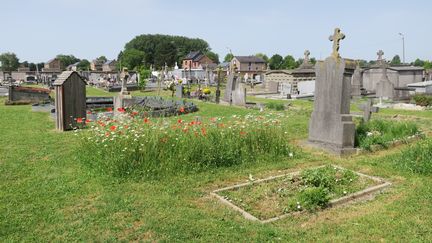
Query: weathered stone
{"points": [[368, 109], [229, 88], [179, 91], [356, 82], [273, 87]]}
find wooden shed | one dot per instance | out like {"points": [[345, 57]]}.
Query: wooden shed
{"points": [[70, 101]]}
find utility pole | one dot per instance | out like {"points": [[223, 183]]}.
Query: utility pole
{"points": [[403, 47]]}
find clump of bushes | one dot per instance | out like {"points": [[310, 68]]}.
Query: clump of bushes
{"points": [[275, 106], [381, 132], [422, 100], [416, 158]]}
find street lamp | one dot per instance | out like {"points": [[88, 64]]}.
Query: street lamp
{"points": [[403, 47]]}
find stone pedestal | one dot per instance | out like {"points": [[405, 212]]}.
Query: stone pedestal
{"points": [[123, 101], [331, 127]]}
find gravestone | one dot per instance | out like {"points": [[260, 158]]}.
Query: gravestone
{"points": [[179, 91], [124, 99], [384, 88], [272, 86], [331, 126], [356, 82], [238, 95], [27, 95], [70, 102], [368, 109], [229, 87]]}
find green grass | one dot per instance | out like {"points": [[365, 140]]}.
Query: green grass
{"points": [[48, 194]]}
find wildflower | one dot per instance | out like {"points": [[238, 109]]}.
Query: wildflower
{"points": [[88, 121], [203, 131], [182, 109], [89, 112], [290, 155], [134, 113], [109, 109], [113, 128], [146, 120], [242, 133], [121, 110], [179, 121], [79, 120]]}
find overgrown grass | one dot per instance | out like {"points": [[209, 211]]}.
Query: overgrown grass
{"points": [[382, 132], [416, 158], [150, 148]]}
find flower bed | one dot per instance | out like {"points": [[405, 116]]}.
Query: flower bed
{"points": [[273, 198], [150, 147]]}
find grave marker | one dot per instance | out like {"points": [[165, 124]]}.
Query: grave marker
{"points": [[368, 109]]}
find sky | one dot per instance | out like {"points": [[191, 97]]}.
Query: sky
{"points": [[38, 30]]}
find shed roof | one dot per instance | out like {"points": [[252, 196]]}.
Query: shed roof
{"points": [[250, 59], [64, 76]]}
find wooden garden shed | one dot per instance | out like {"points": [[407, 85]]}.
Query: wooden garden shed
{"points": [[70, 100]]}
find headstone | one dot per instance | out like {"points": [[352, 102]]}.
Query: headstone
{"points": [[179, 91], [285, 89], [356, 82], [70, 102], [229, 88], [124, 99], [384, 88], [368, 109], [239, 95], [331, 126], [273, 87]]}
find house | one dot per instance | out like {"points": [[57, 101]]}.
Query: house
{"points": [[53, 65], [249, 66], [96, 65], [109, 66], [72, 67], [196, 60]]}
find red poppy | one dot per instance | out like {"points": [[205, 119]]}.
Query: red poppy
{"points": [[179, 121], [109, 109], [79, 120], [126, 126], [87, 121], [121, 109], [89, 112], [146, 120], [134, 113], [113, 128], [182, 109], [203, 131], [107, 134]]}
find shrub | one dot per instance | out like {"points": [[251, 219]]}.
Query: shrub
{"points": [[311, 199], [153, 147], [416, 158], [275, 106], [422, 100], [381, 132]]}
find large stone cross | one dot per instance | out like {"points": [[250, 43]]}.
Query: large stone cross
{"points": [[306, 57], [336, 38], [368, 109], [380, 54]]}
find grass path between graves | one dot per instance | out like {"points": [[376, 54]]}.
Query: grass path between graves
{"points": [[46, 194]]}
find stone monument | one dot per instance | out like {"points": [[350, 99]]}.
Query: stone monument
{"points": [[356, 82], [368, 109], [124, 99], [230, 86], [331, 126], [384, 88]]}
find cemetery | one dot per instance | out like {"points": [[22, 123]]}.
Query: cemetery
{"points": [[327, 149]]}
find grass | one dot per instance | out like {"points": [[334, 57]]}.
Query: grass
{"points": [[311, 190], [48, 194]]}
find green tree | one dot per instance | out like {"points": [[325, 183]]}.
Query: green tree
{"points": [[144, 76], [228, 57], [290, 63], [263, 56], [418, 63], [427, 65], [276, 62], [213, 56], [67, 60], [165, 53], [396, 60], [102, 59], [83, 65], [132, 58], [9, 61]]}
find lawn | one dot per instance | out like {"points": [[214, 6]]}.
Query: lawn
{"points": [[48, 194]]}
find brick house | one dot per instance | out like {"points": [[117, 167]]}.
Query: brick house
{"points": [[251, 66], [53, 65], [109, 66], [196, 60]]}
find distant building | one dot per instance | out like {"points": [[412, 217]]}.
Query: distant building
{"points": [[249, 66], [109, 66], [53, 65], [96, 65], [196, 60], [73, 67]]}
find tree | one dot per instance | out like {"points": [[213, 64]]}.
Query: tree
{"points": [[67, 60], [228, 57], [9, 61], [396, 60], [83, 65], [418, 63], [427, 65], [132, 58], [276, 62], [102, 59], [165, 53], [290, 63], [213, 56], [263, 56], [145, 74]]}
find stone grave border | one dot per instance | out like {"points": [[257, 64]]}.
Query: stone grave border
{"points": [[356, 196], [390, 144]]}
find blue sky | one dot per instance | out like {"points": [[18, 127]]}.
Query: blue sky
{"points": [[37, 30]]}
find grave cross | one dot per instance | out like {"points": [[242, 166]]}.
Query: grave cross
{"points": [[380, 54], [306, 57], [368, 109], [336, 38]]}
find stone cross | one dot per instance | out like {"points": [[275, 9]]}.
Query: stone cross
{"points": [[124, 78], [336, 38], [368, 109], [306, 57], [380, 54]]}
